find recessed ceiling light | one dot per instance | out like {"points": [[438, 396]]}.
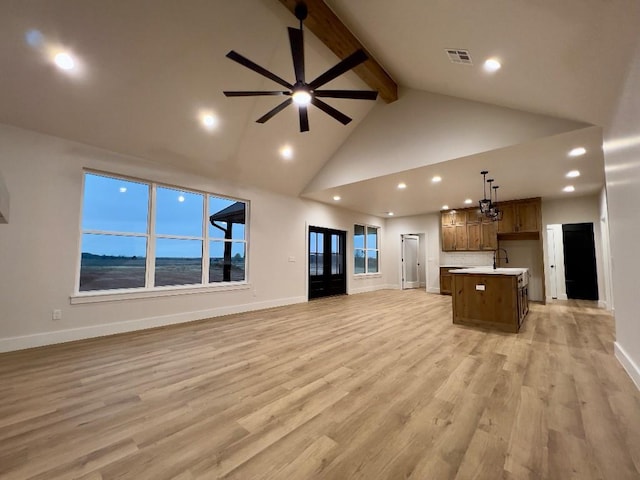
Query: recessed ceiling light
{"points": [[445, 207], [181, 198], [491, 65], [576, 152], [336, 197], [402, 185], [123, 189], [573, 174], [208, 120], [436, 179], [468, 201], [391, 214], [286, 152], [569, 188], [64, 61]]}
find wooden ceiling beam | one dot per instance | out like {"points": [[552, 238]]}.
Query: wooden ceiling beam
{"points": [[325, 25]]}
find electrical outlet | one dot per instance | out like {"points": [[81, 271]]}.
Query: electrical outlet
{"points": [[56, 314]]}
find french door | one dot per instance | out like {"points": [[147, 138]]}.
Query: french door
{"points": [[327, 262]]}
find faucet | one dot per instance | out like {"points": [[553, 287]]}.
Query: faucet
{"points": [[496, 256]]}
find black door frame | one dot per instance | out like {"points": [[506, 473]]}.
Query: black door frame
{"points": [[329, 276]]}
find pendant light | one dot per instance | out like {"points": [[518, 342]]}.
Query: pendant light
{"points": [[496, 214], [489, 206], [485, 203]]}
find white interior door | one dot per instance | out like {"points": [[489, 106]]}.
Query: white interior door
{"points": [[410, 261], [553, 266]]}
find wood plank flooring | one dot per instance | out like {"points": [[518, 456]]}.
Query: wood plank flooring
{"points": [[378, 385]]}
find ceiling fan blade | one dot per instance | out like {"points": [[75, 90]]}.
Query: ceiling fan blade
{"points": [[253, 93], [236, 57], [304, 118], [354, 94], [297, 53], [353, 60], [329, 110], [275, 110]]}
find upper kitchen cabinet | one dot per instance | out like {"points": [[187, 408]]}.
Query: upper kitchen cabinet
{"points": [[453, 217], [521, 216], [467, 230]]}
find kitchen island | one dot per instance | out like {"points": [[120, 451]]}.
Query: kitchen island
{"points": [[490, 298]]}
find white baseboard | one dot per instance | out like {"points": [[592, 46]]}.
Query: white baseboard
{"points": [[603, 304], [628, 364], [563, 296], [49, 338], [372, 288], [433, 290]]}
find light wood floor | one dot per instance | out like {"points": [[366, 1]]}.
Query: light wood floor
{"points": [[371, 386]]}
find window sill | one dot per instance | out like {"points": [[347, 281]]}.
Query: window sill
{"points": [[362, 276], [120, 295]]}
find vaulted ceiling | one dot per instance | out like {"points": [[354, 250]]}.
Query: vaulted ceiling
{"points": [[147, 70]]}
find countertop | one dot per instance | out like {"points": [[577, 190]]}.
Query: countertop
{"points": [[491, 271]]}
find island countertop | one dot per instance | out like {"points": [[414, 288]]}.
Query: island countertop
{"points": [[490, 270]]}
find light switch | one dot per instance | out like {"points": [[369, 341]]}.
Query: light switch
{"points": [[292, 259]]}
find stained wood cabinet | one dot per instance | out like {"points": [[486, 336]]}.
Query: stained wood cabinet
{"points": [[461, 237], [448, 238], [445, 280], [520, 217], [488, 236], [453, 217], [467, 230], [488, 301]]}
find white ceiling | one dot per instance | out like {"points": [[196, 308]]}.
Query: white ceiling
{"points": [[149, 67]]}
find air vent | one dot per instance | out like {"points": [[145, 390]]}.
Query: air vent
{"points": [[459, 56]]}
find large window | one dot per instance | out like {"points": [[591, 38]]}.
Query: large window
{"points": [[139, 235], [365, 249]]}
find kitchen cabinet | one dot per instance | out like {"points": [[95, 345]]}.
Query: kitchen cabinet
{"points": [[448, 238], [461, 237], [445, 280], [490, 299], [474, 236], [467, 230], [473, 215], [528, 214], [520, 217], [454, 217], [488, 235]]}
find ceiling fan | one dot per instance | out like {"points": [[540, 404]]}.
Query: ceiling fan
{"points": [[301, 92]]}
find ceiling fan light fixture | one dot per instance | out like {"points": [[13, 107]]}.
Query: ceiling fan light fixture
{"points": [[301, 97]]}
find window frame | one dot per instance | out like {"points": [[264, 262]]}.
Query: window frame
{"points": [[366, 250], [151, 236]]}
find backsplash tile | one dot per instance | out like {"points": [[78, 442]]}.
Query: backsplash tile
{"points": [[466, 259]]}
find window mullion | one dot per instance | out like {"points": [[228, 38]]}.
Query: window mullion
{"points": [[205, 241], [151, 239]]}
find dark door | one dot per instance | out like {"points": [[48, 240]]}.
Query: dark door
{"points": [[326, 262], [580, 261]]}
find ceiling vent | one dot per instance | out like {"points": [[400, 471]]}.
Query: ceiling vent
{"points": [[459, 56]]}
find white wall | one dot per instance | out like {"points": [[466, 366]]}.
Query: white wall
{"points": [[622, 170], [423, 128], [39, 248], [575, 210], [429, 225], [526, 254], [4, 201], [606, 249]]}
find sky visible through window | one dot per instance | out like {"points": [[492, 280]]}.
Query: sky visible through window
{"points": [[121, 206]]}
